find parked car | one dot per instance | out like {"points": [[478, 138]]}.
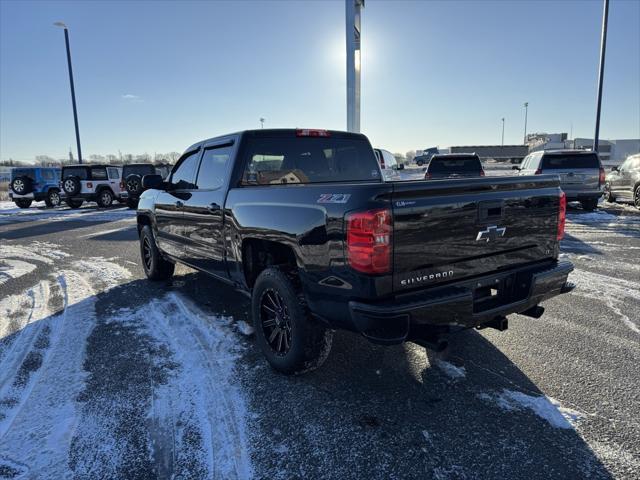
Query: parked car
{"points": [[454, 165], [93, 183], [348, 250], [581, 174], [623, 183], [35, 183], [388, 164], [132, 175], [426, 155]]}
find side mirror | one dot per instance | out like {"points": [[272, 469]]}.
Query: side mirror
{"points": [[515, 167], [153, 182]]}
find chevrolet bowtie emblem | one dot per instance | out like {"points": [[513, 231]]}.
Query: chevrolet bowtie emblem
{"points": [[491, 233]]}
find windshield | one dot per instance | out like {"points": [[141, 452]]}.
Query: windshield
{"points": [[309, 160], [455, 165], [138, 170], [570, 161]]}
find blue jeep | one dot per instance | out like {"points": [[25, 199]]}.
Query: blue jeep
{"points": [[35, 183]]}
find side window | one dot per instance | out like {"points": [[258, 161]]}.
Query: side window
{"points": [[98, 173], [184, 175], [47, 175], [525, 162], [213, 168], [113, 173]]}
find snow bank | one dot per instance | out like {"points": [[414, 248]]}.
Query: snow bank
{"points": [[451, 370]]}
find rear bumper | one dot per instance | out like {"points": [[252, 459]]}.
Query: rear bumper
{"points": [[463, 304]]}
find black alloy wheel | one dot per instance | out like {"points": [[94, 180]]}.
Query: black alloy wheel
{"points": [[636, 197], [275, 322]]}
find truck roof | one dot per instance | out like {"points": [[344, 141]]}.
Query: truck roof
{"points": [[269, 132]]}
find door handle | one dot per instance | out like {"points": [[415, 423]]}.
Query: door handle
{"points": [[179, 204], [213, 207]]}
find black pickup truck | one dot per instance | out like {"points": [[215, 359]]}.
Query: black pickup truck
{"points": [[303, 223]]}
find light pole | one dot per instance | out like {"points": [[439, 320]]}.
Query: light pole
{"points": [[261, 122], [603, 47], [526, 111], [503, 131], [353, 12], [73, 90]]}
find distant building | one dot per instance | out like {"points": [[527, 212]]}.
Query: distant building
{"points": [[513, 153], [611, 151]]}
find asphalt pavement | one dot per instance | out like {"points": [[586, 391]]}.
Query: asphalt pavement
{"points": [[106, 375]]}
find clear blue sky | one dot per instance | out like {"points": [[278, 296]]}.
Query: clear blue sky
{"points": [[158, 76]]}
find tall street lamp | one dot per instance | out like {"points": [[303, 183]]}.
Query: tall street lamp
{"points": [[503, 131], [526, 110], [73, 90], [603, 47]]}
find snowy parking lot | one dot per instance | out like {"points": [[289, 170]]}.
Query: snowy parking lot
{"points": [[105, 375]]}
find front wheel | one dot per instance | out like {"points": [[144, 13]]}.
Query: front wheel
{"points": [[105, 198], [608, 196], [155, 267], [23, 202], [53, 199], [636, 197], [292, 341]]}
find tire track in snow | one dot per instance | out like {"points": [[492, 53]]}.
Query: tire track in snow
{"points": [[38, 432], [207, 352]]}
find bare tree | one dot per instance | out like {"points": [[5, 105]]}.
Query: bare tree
{"points": [[410, 155]]}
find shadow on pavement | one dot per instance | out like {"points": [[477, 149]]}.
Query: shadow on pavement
{"points": [[369, 412]]}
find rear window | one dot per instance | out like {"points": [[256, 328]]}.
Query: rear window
{"points": [[569, 161], [138, 170], [19, 172], [309, 160], [79, 172], [455, 165]]}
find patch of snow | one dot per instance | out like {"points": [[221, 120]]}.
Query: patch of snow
{"points": [[12, 269], [245, 328], [451, 370], [544, 407], [41, 372]]}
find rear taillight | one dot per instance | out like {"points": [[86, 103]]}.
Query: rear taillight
{"points": [[603, 176], [121, 185], [562, 215], [369, 241], [538, 172], [482, 173], [427, 176], [311, 132]]}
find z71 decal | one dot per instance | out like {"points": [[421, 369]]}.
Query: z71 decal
{"points": [[334, 198]]}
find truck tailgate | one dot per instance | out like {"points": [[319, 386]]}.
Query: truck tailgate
{"points": [[446, 230]]}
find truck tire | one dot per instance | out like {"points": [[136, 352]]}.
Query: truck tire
{"points": [[292, 341], [636, 197], [22, 185], [104, 198], [74, 203], [23, 202], [154, 265], [53, 198], [71, 185], [589, 204]]}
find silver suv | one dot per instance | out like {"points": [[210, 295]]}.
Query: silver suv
{"points": [[581, 174], [623, 183]]}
